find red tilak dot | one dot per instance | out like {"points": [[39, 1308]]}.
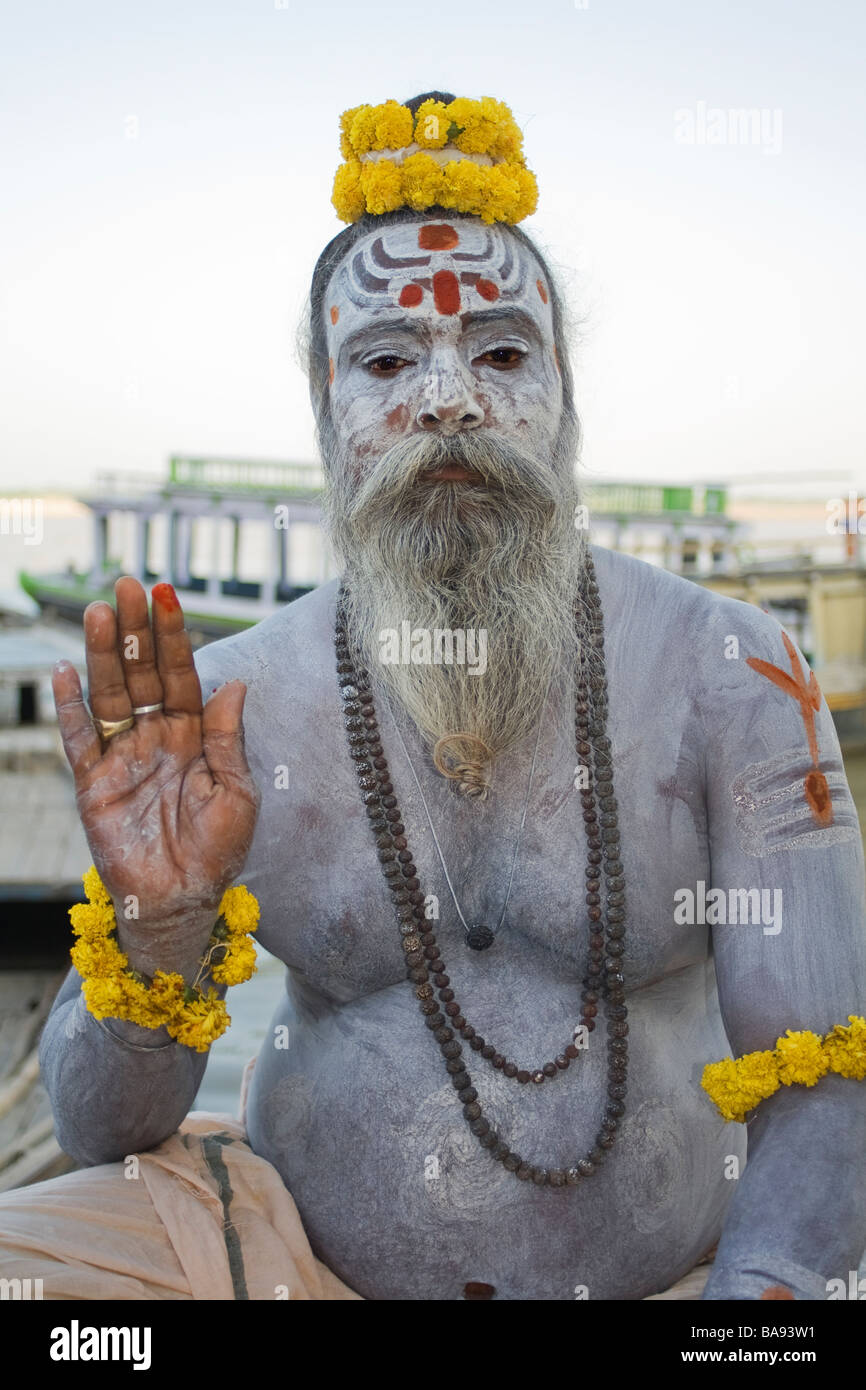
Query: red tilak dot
{"points": [[410, 295], [164, 595], [446, 292]]}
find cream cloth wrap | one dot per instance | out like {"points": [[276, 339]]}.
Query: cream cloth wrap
{"points": [[205, 1218]]}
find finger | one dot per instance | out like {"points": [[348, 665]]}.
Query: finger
{"points": [[180, 683], [136, 644], [222, 734], [80, 740], [106, 687]]}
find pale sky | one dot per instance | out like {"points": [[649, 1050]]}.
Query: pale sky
{"points": [[167, 171]]}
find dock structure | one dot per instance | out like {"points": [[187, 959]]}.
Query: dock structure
{"points": [[202, 504], [685, 529]]}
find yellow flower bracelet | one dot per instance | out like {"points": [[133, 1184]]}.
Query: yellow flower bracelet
{"points": [[737, 1086], [112, 990]]}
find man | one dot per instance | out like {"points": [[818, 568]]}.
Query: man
{"points": [[615, 743]]}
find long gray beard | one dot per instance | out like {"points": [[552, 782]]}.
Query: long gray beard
{"points": [[504, 560]]}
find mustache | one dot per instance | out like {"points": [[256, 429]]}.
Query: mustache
{"points": [[497, 461]]}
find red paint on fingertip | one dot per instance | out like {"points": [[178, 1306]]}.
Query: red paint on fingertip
{"points": [[164, 595]]}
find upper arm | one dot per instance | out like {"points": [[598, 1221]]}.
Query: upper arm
{"points": [[781, 821]]}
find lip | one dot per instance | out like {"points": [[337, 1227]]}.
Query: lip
{"points": [[453, 473]]}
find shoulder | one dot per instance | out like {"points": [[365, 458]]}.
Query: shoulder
{"points": [[681, 623], [299, 634]]}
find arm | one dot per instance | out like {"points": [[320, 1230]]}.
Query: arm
{"points": [[115, 1088], [168, 807], [798, 1215]]}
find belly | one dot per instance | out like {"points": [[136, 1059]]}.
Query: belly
{"points": [[398, 1198]]}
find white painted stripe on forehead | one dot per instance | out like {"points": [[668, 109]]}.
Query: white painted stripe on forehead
{"points": [[403, 259]]}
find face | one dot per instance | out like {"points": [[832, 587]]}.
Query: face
{"points": [[440, 327], [451, 485]]}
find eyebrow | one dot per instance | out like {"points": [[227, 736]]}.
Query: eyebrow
{"points": [[416, 328]]}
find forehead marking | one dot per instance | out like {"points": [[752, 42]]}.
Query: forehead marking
{"points": [[541, 290], [381, 257], [487, 289], [437, 236], [446, 292], [335, 313], [507, 268], [330, 369]]}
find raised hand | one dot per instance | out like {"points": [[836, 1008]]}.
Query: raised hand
{"points": [[169, 805]]}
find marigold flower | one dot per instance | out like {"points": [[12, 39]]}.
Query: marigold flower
{"points": [[431, 124], [239, 964], [801, 1058], [382, 185], [738, 1086], [845, 1048], [240, 910]]}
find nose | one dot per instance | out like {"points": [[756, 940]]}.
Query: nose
{"points": [[449, 403]]}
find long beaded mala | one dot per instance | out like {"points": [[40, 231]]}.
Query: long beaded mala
{"points": [[426, 968]]}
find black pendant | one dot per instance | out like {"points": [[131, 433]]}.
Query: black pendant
{"points": [[479, 937]]}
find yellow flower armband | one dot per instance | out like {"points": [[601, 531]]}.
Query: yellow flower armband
{"points": [[112, 990], [801, 1058]]}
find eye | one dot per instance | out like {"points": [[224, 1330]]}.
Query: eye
{"points": [[387, 365], [504, 358]]}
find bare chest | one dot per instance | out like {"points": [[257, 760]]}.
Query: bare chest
{"points": [[516, 863]]}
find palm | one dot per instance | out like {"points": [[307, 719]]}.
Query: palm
{"points": [[168, 806]]}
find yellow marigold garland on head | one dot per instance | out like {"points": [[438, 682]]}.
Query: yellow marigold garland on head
{"points": [[799, 1058], [490, 181], [112, 990]]}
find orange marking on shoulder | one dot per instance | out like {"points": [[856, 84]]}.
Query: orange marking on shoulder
{"points": [[335, 313], [818, 797], [808, 697], [330, 369]]}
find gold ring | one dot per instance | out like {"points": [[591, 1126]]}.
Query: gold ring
{"points": [[107, 728]]}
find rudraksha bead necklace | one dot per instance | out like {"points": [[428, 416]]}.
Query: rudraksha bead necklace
{"points": [[426, 968]]}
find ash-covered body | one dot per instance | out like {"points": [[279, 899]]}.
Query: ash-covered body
{"points": [[358, 1113]]}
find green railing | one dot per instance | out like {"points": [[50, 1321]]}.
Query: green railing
{"points": [[648, 499], [238, 475]]}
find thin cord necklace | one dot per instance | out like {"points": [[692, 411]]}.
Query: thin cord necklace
{"points": [[478, 936], [425, 968]]}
